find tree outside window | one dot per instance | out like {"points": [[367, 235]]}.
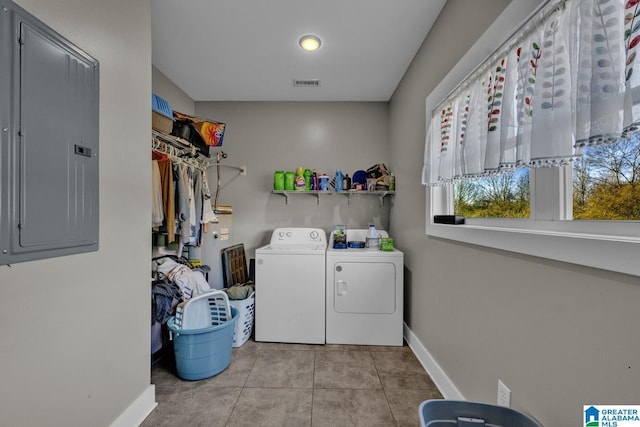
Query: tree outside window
{"points": [[606, 186]]}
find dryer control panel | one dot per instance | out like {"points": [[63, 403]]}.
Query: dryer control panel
{"points": [[297, 236]]}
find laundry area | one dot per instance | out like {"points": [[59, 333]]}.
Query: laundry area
{"points": [[325, 285], [337, 284], [248, 213]]}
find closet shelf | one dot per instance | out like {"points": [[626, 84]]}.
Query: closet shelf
{"points": [[316, 193], [349, 194]]}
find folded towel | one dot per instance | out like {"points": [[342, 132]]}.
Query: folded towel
{"points": [[241, 291]]}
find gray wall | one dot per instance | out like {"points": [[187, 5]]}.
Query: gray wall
{"points": [[558, 335], [270, 136], [167, 90], [74, 343]]}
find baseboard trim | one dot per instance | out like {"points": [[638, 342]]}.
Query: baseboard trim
{"points": [[447, 388], [139, 409]]}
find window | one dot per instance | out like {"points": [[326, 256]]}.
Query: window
{"points": [[504, 195], [605, 186], [560, 197], [606, 182]]}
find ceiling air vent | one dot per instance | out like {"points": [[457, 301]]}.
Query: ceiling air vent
{"points": [[306, 82]]}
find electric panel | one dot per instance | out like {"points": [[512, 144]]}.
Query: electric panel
{"points": [[49, 152]]}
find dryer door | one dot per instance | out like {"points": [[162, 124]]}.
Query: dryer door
{"points": [[365, 287]]}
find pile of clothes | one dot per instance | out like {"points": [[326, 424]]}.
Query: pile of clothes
{"points": [[177, 282]]}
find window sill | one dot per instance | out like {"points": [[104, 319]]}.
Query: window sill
{"points": [[612, 252]]}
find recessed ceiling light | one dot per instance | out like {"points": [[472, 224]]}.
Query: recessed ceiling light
{"points": [[309, 43]]}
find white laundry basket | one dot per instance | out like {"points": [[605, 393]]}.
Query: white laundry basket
{"points": [[203, 311], [244, 325]]}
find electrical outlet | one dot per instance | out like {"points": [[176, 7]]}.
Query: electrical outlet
{"points": [[243, 170], [504, 395]]}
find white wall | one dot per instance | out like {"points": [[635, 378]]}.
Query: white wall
{"points": [[74, 342], [270, 136], [558, 335]]}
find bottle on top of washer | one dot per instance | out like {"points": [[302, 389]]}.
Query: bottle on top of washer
{"points": [[373, 238]]}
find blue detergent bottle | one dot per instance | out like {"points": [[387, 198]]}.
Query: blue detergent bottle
{"points": [[339, 179]]}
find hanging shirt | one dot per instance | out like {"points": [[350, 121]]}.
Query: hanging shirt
{"points": [[168, 198], [183, 203], [157, 212]]}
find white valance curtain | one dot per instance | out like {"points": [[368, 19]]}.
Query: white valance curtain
{"points": [[564, 81]]}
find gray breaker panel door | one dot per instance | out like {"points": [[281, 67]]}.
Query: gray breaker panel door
{"points": [[49, 152]]}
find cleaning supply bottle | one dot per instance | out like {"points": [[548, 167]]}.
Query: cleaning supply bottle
{"points": [[289, 180], [373, 238], [299, 183], [323, 182], [346, 182], [307, 179], [392, 183], [339, 180], [278, 180], [314, 181]]}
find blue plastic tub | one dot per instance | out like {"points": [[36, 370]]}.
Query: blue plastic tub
{"points": [[203, 353], [161, 106], [460, 413]]}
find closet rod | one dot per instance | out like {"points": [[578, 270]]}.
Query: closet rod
{"points": [[184, 150], [227, 166], [176, 155]]}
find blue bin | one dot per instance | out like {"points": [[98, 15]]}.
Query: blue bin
{"points": [[460, 413], [203, 353], [161, 106]]}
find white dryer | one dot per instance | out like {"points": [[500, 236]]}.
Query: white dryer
{"points": [[364, 294], [290, 287]]}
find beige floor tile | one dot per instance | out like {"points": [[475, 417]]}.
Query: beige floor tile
{"points": [[346, 357], [396, 363], [407, 381], [282, 369], [268, 407], [345, 369], [249, 347], [236, 374], [272, 384], [404, 405], [193, 405], [163, 375], [347, 407]]}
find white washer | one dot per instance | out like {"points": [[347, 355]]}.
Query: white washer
{"points": [[290, 286], [364, 294]]}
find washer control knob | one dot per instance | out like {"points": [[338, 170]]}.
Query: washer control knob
{"points": [[339, 268], [314, 234], [281, 234], [288, 234]]}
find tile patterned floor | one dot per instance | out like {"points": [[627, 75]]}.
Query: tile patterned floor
{"points": [[270, 384]]}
